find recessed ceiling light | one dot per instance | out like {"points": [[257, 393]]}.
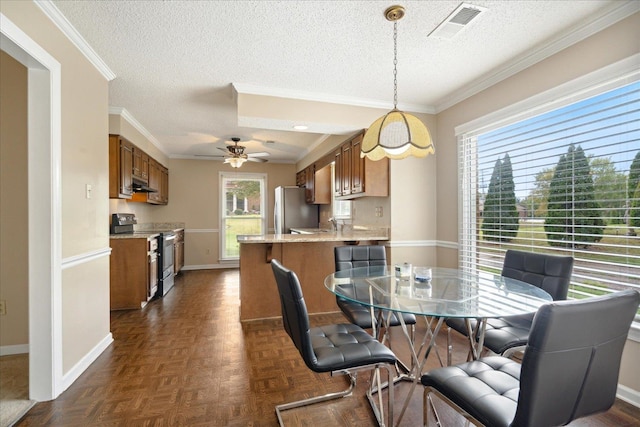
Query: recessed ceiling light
{"points": [[300, 127]]}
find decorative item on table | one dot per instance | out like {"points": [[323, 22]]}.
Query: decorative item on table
{"points": [[422, 274], [403, 271]]}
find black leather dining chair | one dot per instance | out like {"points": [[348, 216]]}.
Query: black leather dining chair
{"points": [[569, 370], [505, 335], [339, 348], [347, 257]]}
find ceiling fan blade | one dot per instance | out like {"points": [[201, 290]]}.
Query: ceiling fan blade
{"points": [[257, 159], [260, 154], [226, 150]]}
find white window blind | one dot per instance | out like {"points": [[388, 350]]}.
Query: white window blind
{"points": [[563, 182]]}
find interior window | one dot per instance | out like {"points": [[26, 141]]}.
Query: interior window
{"points": [[242, 210]]}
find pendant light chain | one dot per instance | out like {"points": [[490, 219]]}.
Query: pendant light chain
{"points": [[395, 64]]}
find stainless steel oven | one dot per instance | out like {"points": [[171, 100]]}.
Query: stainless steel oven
{"points": [[165, 264]]}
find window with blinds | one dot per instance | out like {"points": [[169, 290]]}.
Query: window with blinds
{"points": [[563, 182]]}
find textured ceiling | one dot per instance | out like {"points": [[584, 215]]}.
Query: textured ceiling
{"points": [[176, 62]]}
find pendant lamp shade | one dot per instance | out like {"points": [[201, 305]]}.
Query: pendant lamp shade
{"points": [[397, 134]]}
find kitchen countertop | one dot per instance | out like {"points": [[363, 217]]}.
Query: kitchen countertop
{"points": [[147, 231], [329, 236]]}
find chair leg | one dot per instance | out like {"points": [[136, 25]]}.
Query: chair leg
{"points": [[378, 409], [352, 373], [449, 346]]}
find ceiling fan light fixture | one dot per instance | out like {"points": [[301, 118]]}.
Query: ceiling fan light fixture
{"points": [[235, 162], [397, 134]]}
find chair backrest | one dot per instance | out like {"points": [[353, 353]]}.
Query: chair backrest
{"points": [[295, 318], [347, 257], [552, 273], [572, 360]]}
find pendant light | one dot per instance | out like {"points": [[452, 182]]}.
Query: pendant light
{"points": [[397, 134]]}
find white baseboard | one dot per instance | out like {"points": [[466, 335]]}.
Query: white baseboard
{"points": [[211, 266], [8, 350], [629, 395], [83, 364]]}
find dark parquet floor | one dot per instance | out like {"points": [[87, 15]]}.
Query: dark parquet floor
{"points": [[186, 360]]}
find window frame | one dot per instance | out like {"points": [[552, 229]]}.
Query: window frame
{"points": [[223, 177], [599, 82]]}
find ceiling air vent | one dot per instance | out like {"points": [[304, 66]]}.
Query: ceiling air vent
{"points": [[457, 21]]}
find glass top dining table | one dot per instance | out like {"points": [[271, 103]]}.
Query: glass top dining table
{"points": [[449, 293]]}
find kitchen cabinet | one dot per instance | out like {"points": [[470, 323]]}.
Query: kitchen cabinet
{"points": [[356, 176], [140, 168], [345, 181], [120, 168], [133, 272], [317, 184], [128, 162], [178, 250]]}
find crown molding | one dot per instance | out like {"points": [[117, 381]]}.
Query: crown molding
{"points": [[616, 13], [54, 14], [122, 112], [250, 89]]}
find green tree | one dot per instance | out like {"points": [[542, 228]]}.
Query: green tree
{"points": [[610, 188], [500, 216], [536, 200], [573, 216], [633, 194]]}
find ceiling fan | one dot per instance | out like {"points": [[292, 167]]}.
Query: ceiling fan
{"points": [[235, 155]]}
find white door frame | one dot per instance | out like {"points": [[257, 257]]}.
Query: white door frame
{"points": [[45, 207]]}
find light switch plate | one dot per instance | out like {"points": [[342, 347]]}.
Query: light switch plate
{"points": [[88, 191]]}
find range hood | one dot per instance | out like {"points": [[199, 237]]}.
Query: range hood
{"points": [[142, 187]]}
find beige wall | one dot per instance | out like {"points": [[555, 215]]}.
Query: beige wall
{"points": [[13, 202], [84, 157], [611, 45]]}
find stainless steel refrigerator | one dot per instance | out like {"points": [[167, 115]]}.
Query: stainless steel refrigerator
{"points": [[292, 211]]}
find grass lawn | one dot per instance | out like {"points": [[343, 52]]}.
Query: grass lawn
{"points": [[616, 251], [237, 225]]}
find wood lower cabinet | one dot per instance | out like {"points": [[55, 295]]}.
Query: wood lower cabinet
{"points": [[258, 290], [133, 272]]}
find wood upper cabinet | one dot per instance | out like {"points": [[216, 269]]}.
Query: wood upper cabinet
{"points": [[126, 163], [337, 177], [140, 169], [164, 185], [317, 184], [359, 176], [120, 168], [346, 169], [301, 178], [357, 166]]}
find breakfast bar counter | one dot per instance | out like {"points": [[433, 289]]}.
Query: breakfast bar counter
{"points": [[309, 255]]}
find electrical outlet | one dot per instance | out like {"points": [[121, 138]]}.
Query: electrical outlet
{"points": [[378, 211], [3, 307]]}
